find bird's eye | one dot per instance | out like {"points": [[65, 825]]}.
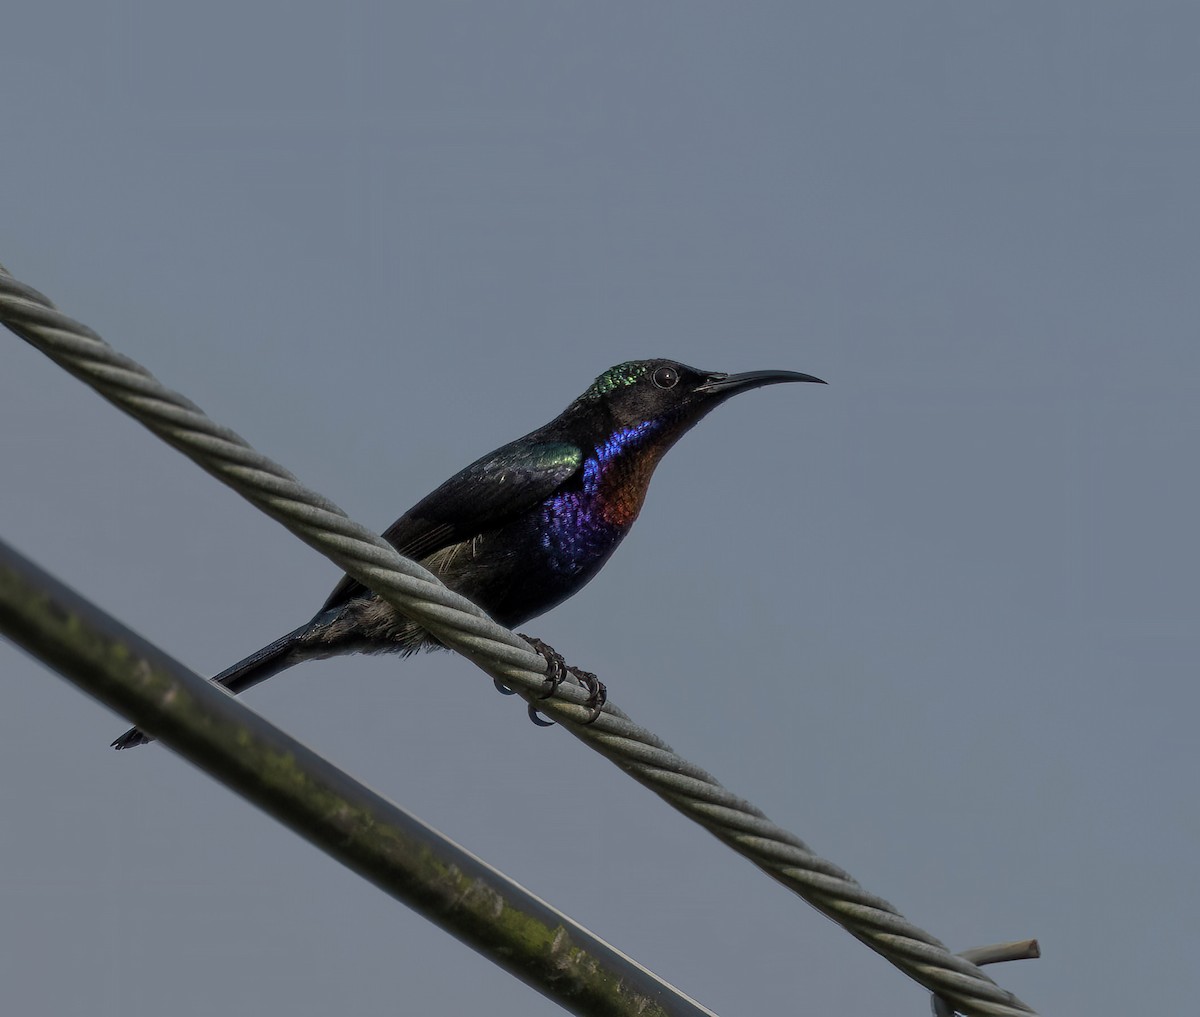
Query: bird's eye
{"points": [[666, 377]]}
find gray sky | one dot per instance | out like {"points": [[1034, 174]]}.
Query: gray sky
{"points": [[940, 618]]}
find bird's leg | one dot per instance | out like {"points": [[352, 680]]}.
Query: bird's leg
{"points": [[557, 670]]}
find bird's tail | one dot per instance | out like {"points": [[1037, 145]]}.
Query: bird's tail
{"points": [[258, 667]]}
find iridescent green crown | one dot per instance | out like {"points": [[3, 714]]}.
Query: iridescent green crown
{"points": [[617, 377]]}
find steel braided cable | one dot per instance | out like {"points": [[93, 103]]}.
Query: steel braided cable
{"points": [[500, 653]]}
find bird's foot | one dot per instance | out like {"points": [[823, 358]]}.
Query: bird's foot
{"points": [[556, 673], [597, 692], [557, 670], [556, 666]]}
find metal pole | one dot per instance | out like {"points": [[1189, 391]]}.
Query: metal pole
{"points": [[364, 831]]}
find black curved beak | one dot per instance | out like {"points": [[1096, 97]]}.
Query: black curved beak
{"points": [[729, 384]]}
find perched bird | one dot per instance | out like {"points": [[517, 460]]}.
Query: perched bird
{"points": [[526, 526]]}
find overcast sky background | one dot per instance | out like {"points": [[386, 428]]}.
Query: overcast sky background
{"points": [[941, 618]]}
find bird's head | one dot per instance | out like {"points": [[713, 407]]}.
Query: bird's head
{"points": [[665, 394]]}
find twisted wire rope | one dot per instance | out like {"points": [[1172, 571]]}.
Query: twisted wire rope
{"points": [[465, 628]]}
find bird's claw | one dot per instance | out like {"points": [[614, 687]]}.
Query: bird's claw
{"points": [[557, 670], [556, 673], [597, 693], [537, 718], [556, 666]]}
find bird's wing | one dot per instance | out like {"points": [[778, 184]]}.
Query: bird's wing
{"points": [[486, 494]]}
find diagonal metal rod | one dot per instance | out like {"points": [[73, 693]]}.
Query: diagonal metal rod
{"points": [[462, 626], [1021, 949], [367, 833]]}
